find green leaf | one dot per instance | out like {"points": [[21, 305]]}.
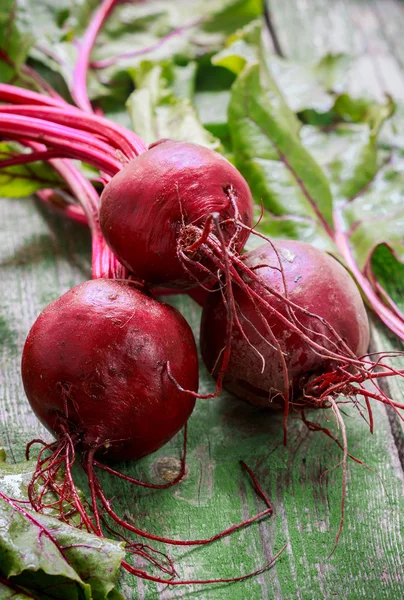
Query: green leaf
{"points": [[211, 108], [132, 34], [304, 86], [392, 132], [23, 180], [44, 33], [191, 30], [376, 216], [157, 112], [367, 184], [347, 154], [86, 568], [281, 172], [309, 86], [211, 98], [52, 18], [8, 592], [242, 48], [292, 227], [332, 71], [246, 48], [364, 110], [226, 16], [16, 38], [389, 273], [35, 33]]}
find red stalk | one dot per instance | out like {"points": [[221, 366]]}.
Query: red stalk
{"points": [[42, 127], [129, 145], [17, 96], [40, 155], [73, 143], [385, 313], [79, 90], [69, 211]]}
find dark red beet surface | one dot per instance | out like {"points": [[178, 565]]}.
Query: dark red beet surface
{"points": [[148, 203], [102, 346], [315, 281]]}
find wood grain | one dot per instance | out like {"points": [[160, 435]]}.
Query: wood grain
{"points": [[41, 257]]}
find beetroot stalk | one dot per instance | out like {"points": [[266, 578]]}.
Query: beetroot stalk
{"points": [[52, 199], [73, 143], [58, 106], [79, 90], [100, 127], [389, 316]]}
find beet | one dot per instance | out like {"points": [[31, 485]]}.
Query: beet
{"points": [[95, 369], [314, 281], [94, 363], [159, 203]]}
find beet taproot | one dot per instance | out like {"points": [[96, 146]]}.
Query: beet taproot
{"points": [[158, 206], [94, 363], [316, 282]]}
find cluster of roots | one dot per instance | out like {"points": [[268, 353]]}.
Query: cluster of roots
{"points": [[52, 491], [354, 380]]}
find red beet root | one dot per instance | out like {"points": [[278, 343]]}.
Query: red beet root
{"points": [[94, 364], [159, 203], [95, 370], [314, 281]]}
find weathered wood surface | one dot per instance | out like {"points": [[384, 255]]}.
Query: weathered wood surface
{"points": [[41, 257]]}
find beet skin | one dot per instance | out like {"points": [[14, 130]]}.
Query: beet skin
{"points": [[149, 207], [315, 281], [99, 353]]}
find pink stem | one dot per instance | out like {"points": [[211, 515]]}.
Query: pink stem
{"points": [[381, 292], [33, 124], [73, 143], [100, 127], [58, 107], [21, 159], [386, 314], [19, 95], [70, 211], [104, 262], [79, 90]]}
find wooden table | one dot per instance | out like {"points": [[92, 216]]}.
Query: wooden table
{"points": [[42, 257]]}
